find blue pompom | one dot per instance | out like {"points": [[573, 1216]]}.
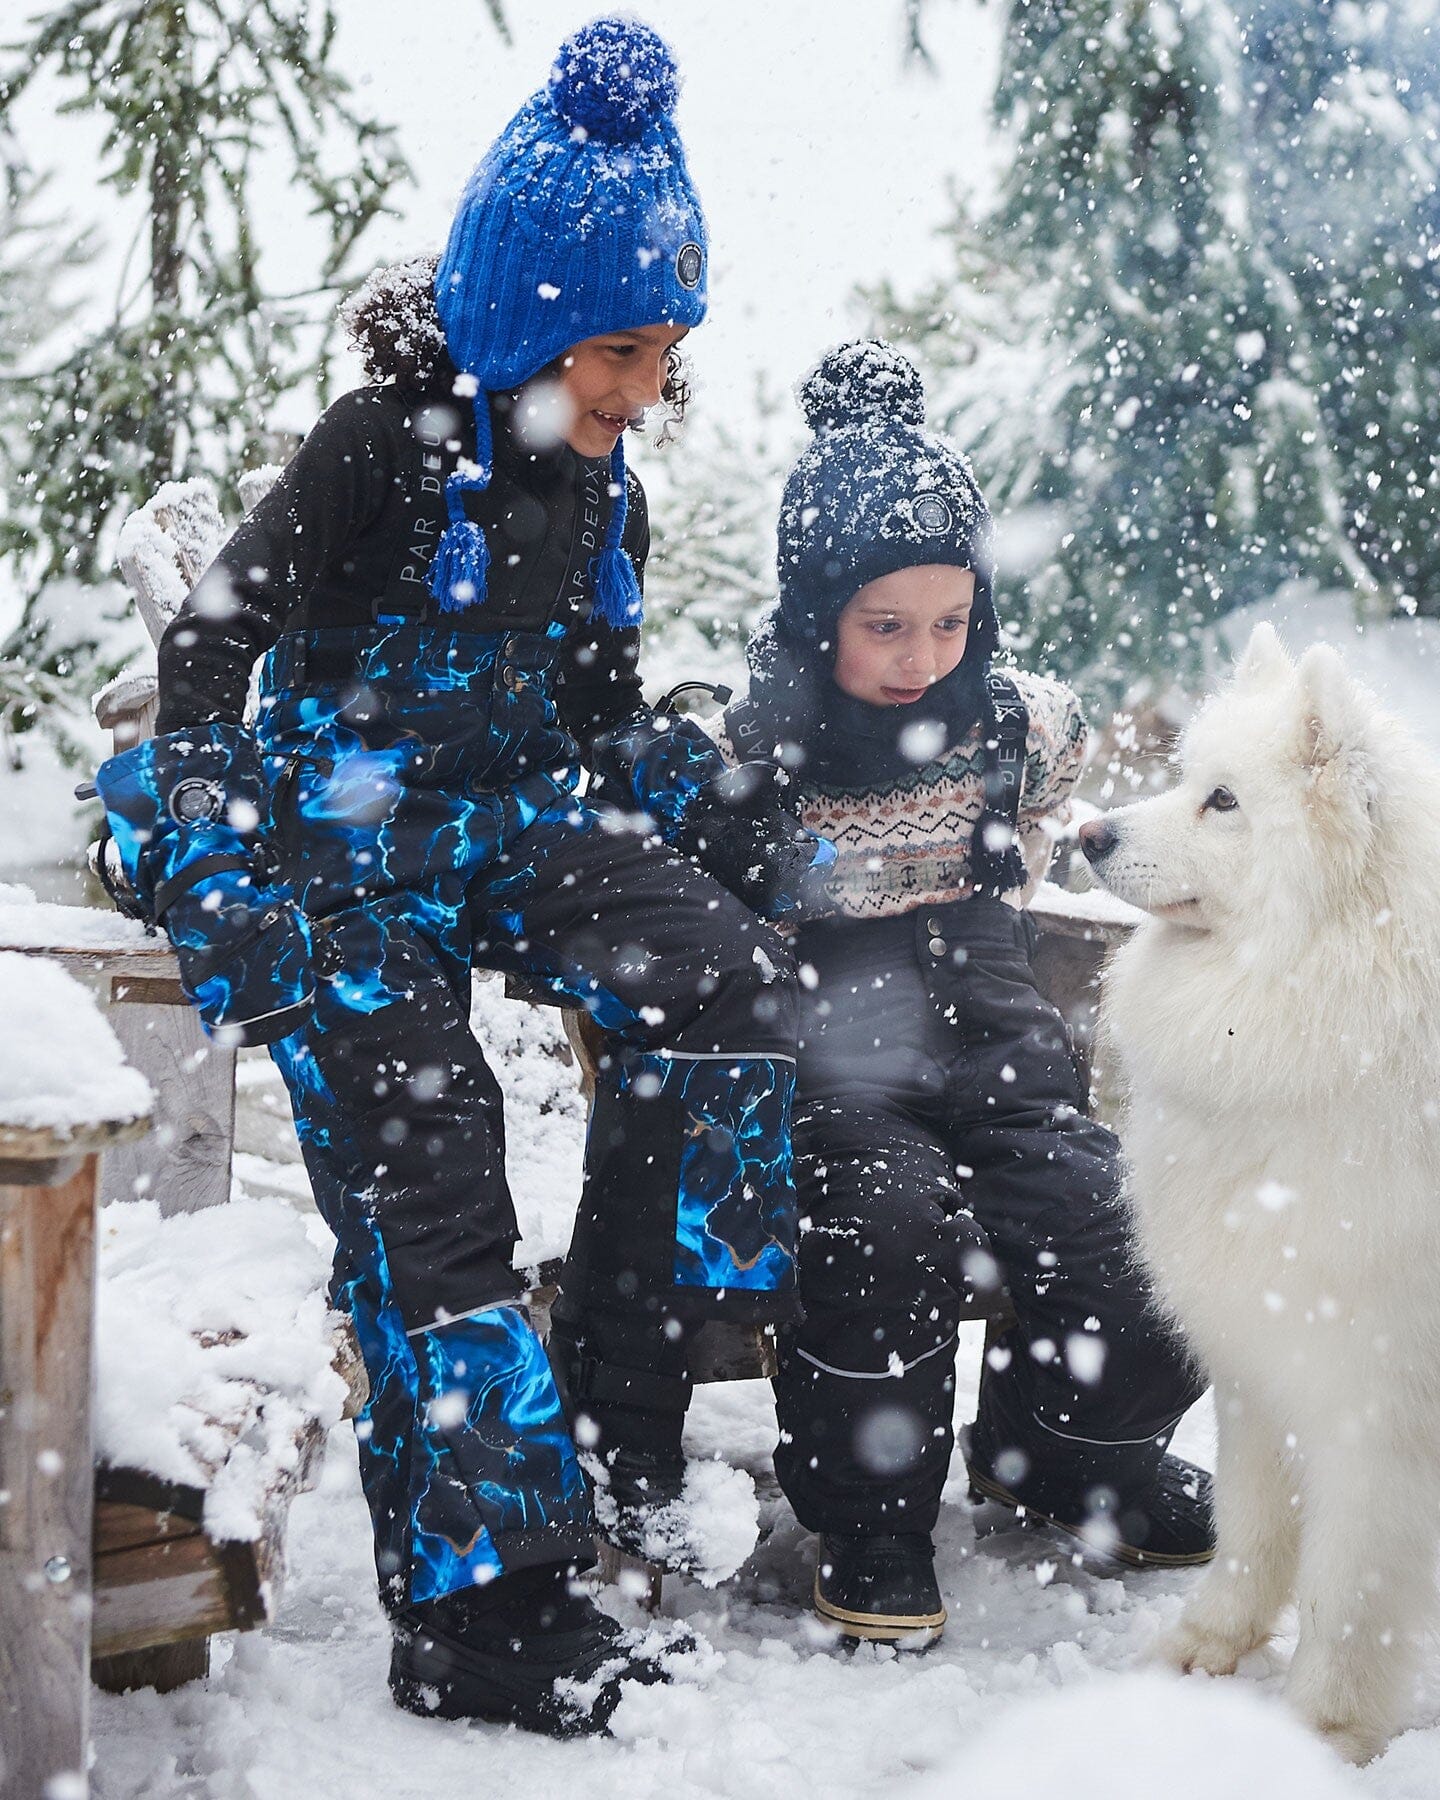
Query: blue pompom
{"points": [[612, 78], [460, 565], [617, 589]]}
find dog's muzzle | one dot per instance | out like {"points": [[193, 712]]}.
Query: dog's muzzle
{"points": [[1098, 837]]}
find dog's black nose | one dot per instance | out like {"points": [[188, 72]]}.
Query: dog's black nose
{"points": [[1098, 837]]}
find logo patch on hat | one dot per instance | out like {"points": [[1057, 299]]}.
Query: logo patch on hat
{"points": [[932, 515], [689, 265]]}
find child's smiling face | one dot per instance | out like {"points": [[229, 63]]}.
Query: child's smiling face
{"points": [[608, 383], [901, 634]]}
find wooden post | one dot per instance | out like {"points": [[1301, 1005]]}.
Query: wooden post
{"points": [[185, 1164], [47, 1308]]}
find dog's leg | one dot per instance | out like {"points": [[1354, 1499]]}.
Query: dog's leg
{"points": [[1366, 1589], [1234, 1607]]}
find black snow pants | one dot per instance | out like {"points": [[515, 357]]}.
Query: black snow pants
{"points": [[938, 1090], [424, 812]]}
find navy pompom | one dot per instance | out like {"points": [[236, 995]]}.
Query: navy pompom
{"points": [[864, 382], [612, 77]]}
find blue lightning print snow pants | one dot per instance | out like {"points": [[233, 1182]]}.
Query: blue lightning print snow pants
{"points": [[688, 1204]]}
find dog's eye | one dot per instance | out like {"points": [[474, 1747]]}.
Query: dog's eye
{"points": [[1220, 800]]}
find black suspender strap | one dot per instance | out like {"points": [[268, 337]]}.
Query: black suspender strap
{"points": [[995, 860]]}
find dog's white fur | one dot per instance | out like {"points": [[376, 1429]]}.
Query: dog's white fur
{"points": [[1277, 1025]]}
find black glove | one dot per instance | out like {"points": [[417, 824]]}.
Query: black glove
{"points": [[739, 831], [188, 812]]}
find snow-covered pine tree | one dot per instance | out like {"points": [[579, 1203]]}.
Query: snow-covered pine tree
{"points": [[1346, 102], [37, 254], [1124, 346], [196, 96]]}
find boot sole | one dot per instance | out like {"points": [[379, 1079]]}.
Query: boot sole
{"points": [[880, 1628], [982, 1488]]}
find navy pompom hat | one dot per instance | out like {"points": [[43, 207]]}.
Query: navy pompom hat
{"points": [[875, 492], [580, 219]]}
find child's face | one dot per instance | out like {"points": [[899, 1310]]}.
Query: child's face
{"points": [[901, 634], [608, 383]]}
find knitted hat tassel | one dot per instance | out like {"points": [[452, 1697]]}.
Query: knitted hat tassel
{"points": [[461, 562], [617, 590]]}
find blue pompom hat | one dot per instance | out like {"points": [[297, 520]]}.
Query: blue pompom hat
{"points": [[580, 219]]}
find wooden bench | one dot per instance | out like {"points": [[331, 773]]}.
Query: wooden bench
{"points": [[162, 1586]]}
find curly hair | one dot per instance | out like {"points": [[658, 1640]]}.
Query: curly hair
{"points": [[391, 320], [675, 392]]}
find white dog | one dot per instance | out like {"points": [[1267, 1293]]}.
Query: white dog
{"points": [[1277, 1023]]}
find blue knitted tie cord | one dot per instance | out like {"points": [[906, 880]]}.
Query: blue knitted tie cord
{"points": [[519, 283], [462, 557], [617, 590]]}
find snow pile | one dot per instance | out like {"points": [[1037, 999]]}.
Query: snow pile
{"points": [[1399, 658], [1094, 906], [30, 924], [214, 1349], [545, 1115], [709, 1531], [1141, 1736], [150, 552], [155, 556], [43, 829], [60, 1066]]}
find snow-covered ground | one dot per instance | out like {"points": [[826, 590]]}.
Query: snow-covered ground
{"points": [[1038, 1688]]}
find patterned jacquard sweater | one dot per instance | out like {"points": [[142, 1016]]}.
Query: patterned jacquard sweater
{"points": [[906, 843]]}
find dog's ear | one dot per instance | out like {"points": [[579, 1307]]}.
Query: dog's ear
{"points": [[1333, 729], [1263, 658]]}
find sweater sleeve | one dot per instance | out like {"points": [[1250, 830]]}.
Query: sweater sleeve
{"points": [[1054, 758], [334, 486], [1055, 746]]}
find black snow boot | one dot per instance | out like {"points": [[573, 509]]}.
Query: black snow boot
{"points": [[1168, 1525], [525, 1651], [882, 1589], [627, 1390]]}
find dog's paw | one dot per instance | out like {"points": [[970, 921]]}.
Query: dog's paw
{"points": [[1352, 1740], [1198, 1645]]}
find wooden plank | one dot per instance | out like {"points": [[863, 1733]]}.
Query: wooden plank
{"points": [[47, 1302], [163, 1594], [122, 1527], [185, 1163], [636, 1579], [165, 1668], [1096, 917], [163, 1587], [147, 990], [129, 725], [724, 1352]]}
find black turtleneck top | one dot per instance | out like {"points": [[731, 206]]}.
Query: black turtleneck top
{"points": [[346, 536]]}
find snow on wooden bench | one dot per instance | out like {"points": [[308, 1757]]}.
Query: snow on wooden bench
{"points": [[185, 1163], [220, 1366], [218, 1384], [65, 1092]]}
